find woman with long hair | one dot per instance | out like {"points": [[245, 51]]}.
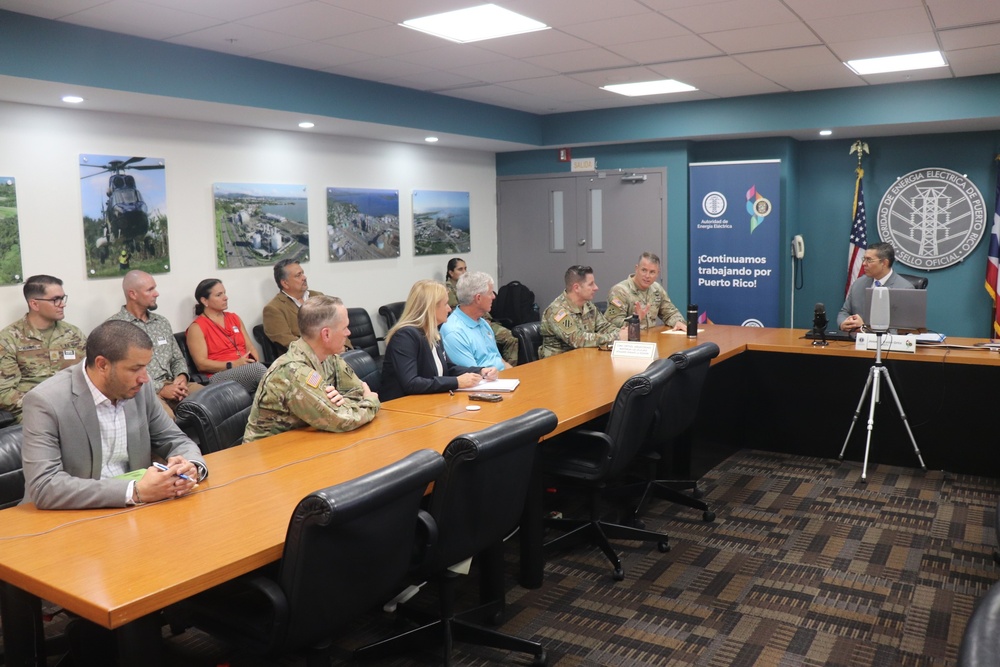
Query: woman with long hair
{"points": [[456, 268], [217, 340], [415, 361]]}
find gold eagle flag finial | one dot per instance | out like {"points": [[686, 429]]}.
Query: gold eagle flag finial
{"points": [[861, 148]]}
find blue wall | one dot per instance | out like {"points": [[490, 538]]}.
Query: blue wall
{"points": [[817, 195]]}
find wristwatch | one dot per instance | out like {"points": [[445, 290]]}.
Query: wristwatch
{"points": [[229, 365]]}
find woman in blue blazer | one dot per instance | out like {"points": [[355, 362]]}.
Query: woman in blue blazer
{"points": [[415, 361]]}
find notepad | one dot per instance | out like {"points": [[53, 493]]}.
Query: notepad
{"points": [[502, 385]]}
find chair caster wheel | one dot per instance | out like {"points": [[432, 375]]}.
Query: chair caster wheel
{"points": [[662, 547], [708, 516], [697, 493], [541, 659], [619, 574], [495, 619]]}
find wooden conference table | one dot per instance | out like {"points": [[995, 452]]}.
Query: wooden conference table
{"points": [[117, 567]]}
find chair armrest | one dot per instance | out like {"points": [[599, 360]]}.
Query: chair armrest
{"points": [[426, 537], [273, 593]]}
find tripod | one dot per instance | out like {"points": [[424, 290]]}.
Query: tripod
{"points": [[874, 375]]}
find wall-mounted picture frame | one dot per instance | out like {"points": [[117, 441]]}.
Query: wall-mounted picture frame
{"points": [[362, 223], [10, 236], [441, 222], [258, 224]]}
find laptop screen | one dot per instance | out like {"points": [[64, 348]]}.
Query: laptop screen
{"points": [[907, 308]]}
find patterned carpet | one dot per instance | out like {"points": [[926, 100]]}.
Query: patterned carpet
{"points": [[803, 566]]}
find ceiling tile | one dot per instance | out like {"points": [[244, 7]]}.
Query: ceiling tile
{"points": [[665, 50], [746, 40], [904, 77], [622, 29], [539, 43], [873, 25], [502, 70], [49, 9], [735, 85], [434, 80], [227, 10], [560, 87], [950, 13], [731, 15], [313, 21], [391, 40], [236, 39], [397, 11], [580, 61], [765, 62], [506, 97], [558, 13], [817, 9], [968, 38], [141, 20], [624, 75], [314, 55], [703, 67], [884, 46], [379, 69], [452, 56], [972, 62]]}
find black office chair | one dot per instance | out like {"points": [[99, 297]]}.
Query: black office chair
{"points": [[529, 339], [268, 348], [365, 368], [390, 313], [675, 414], [601, 306], [194, 375], [918, 282], [347, 549], [591, 458], [216, 416], [363, 333], [980, 645], [11, 474], [6, 419], [475, 504]]}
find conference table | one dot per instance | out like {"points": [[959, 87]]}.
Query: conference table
{"points": [[118, 567]]}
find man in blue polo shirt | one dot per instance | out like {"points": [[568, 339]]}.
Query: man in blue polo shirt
{"points": [[467, 336]]}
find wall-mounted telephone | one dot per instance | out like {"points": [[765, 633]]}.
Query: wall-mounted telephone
{"points": [[798, 247]]}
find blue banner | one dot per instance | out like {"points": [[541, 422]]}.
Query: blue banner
{"points": [[735, 232]]}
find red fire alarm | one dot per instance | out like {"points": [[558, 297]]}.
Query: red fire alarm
{"points": [[565, 155]]}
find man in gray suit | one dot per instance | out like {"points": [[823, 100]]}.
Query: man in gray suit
{"points": [[878, 261], [89, 425]]}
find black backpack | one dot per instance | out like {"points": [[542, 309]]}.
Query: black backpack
{"points": [[515, 304]]}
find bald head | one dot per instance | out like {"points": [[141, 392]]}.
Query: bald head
{"points": [[140, 293]]}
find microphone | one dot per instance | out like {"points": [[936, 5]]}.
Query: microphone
{"points": [[819, 318]]}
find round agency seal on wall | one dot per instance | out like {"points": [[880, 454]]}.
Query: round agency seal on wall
{"points": [[714, 204], [933, 217], [752, 322]]}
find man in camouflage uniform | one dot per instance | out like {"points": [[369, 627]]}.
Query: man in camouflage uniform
{"points": [[168, 369], [35, 347], [641, 295], [506, 341], [573, 321], [310, 385]]}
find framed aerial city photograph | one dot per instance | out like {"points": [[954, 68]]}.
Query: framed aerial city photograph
{"points": [[124, 214], [362, 223], [10, 237], [440, 222], [257, 224]]}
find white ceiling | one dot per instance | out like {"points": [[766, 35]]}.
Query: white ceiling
{"points": [[725, 48]]}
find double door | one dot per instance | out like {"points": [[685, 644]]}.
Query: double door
{"points": [[605, 220]]}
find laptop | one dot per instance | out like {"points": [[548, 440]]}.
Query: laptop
{"points": [[907, 308]]}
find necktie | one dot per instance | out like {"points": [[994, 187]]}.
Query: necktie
{"points": [[878, 283]]}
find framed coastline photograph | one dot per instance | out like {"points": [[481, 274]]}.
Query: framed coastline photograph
{"points": [[440, 222], [124, 214], [10, 237], [258, 224], [362, 224]]}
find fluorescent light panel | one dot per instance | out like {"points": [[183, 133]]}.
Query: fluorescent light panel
{"points": [[911, 61], [639, 88], [475, 24]]}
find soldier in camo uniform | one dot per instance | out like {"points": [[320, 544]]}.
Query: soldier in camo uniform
{"points": [[506, 341], [573, 321], [310, 385], [641, 295], [35, 347]]}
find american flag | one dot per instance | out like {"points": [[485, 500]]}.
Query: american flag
{"points": [[859, 236], [993, 262]]}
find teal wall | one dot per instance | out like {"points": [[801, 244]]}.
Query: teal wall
{"points": [[817, 195]]}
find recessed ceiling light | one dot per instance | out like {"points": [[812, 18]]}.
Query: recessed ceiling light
{"points": [[639, 88], [305, 125], [431, 140], [925, 60], [825, 133], [475, 24], [72, 99]]}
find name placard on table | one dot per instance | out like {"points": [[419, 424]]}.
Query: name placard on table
{"points": [[625, 349]]}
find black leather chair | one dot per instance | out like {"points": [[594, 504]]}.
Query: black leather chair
{"points": [[347, 549], [918, 282], [11, 474], [390, 313], [592, 458], [363, 333], [671, 432], [529, 339], [216, 416], [6, 419], [194, 375], [475, 504], [268, 348], [365, 367], [980, 645]]}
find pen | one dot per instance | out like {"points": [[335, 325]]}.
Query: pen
{"points": [[160, 466]]}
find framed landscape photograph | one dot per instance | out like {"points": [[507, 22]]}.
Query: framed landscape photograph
{"points": [[362, 224], [258, 224], [440, 222], [10, 237]]}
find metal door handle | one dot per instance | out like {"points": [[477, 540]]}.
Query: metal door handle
{"points": [[582, 242]]}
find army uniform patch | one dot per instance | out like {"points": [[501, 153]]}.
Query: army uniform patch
{"points": [[560, 315]]}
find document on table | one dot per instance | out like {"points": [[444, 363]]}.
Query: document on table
{"points": [[498, 385]]}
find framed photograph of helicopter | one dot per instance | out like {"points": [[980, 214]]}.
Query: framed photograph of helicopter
{"points": [[258, 224], [124, 214], [10, 237]]}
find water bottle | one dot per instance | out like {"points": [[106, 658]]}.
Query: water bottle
{"points": [[633, 327], [692, 320]]}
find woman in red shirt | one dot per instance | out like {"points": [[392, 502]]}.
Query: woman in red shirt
{"points": [[217, 342]]}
